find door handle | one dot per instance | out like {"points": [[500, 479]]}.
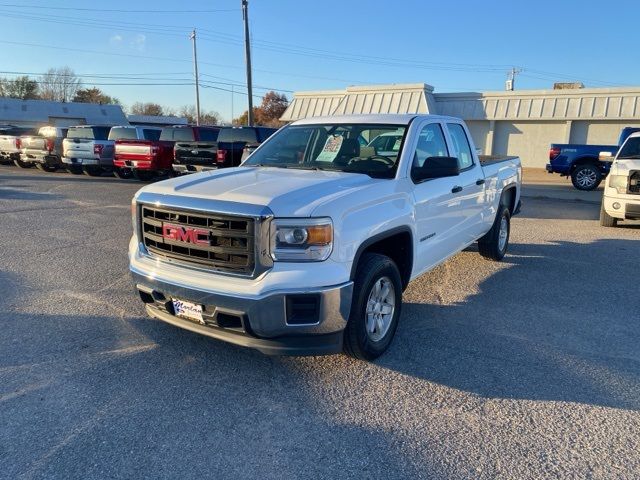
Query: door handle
{"points": [[456, 189], [480, 181]]}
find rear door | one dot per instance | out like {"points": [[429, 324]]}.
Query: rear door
{"points": [[438, 209]]}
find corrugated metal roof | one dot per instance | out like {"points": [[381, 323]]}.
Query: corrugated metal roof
{"points": [[157, 120], [398, 99], [42, 112], [579, 104]]}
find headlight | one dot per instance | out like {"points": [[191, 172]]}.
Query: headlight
{"points": [[301, 240], [619, 182]]}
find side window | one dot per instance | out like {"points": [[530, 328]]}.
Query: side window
{"points": [[461, 144], [431, 143]]}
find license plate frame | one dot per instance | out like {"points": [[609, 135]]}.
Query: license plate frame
{"points": [[188, 310]]}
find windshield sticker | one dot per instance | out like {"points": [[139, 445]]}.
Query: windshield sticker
{"points": [[331, 148]]}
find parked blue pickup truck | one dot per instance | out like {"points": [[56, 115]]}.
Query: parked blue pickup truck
{"points": [[581, 162]]}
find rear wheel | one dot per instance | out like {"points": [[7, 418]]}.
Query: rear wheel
{"points": [[607, 220], [144, 175], [22, 164], [495, 243], [75, 169], [122, 173], [586, 177], [46, 168], [375, 307], [92, 170]]}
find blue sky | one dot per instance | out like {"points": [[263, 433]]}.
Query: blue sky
{"points": [[307, 45]]}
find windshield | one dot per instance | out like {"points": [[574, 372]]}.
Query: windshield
{"points": [[631, 149], [92, 133], [341, 147]]}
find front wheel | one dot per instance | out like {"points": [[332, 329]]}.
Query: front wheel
{"points": [[586, 177], [22, 164], [495, 243], [375, 307], [607, 220]]}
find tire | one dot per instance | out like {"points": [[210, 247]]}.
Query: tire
{"points": [[144, 175], [122, 173], [43, 167], [75, 169], [375, 273], [586, 177], [495, 243], [22, 164], [607, 220], [92, 171]]}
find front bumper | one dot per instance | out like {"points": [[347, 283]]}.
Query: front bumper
{"points": [[262, 321], [628, 206], [86, 161]]}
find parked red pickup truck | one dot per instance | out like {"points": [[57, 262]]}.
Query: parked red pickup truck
{"points": [[148, 159]]}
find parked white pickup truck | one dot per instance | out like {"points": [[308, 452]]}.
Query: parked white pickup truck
{"points": [[621, 198], [307, 247], [87, 149]]}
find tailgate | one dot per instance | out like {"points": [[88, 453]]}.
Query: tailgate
{"points": [[33, 144], [196, 153], [78, 148], [132, 149]]}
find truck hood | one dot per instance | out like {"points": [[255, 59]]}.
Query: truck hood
{"points": [[287, 192], [622, 167]]}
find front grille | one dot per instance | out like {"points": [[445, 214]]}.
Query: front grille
{"points": [[634, 182], [225, 243]]}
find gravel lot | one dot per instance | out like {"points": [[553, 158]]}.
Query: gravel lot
{"points": [[525, 369]]}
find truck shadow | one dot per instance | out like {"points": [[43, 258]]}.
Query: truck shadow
{"points": [[555, 209], [15, 194], [541, 329]]}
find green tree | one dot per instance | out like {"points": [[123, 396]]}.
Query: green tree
{"points": [[94, 95], [20, 87]]}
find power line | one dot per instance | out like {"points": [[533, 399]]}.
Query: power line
{"points": [[148, 11]]}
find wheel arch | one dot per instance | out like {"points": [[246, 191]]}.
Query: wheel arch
{"points": [[396, 244]]}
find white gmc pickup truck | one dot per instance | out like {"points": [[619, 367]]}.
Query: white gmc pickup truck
{"points": [[307, 246]]}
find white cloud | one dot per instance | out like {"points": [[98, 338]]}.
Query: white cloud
{"points": [[115, 39], [139, 42]]}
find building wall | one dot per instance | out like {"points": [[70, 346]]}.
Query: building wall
{"points": [[598, 132], [528, 140]]}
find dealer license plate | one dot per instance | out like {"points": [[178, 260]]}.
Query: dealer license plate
{"points": [[191, 311]]}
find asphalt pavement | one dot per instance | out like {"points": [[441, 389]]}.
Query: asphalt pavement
{"points": [[528, 368]]}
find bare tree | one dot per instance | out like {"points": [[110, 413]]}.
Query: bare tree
{"points": [[140, 108], [59, 84], [210, 117]]}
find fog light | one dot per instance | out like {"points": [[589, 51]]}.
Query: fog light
{"points": [[616, 206]]}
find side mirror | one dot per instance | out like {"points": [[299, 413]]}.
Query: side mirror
{"points": [[606, 156], [436, 167]]}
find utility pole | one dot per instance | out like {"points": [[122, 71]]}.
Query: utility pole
{"points": [[247, 53], [195, 71], [232, 104], [509, 85]]}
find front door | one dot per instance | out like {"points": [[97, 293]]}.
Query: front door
{"points": [[437, 204]]}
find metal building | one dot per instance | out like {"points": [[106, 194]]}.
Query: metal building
{"points": [[35, 113], [521, 123]]}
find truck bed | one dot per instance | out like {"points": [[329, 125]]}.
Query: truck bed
{"points": [[491, 159]]}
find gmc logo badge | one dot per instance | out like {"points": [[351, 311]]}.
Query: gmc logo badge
{"points": [[178, 233]]}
